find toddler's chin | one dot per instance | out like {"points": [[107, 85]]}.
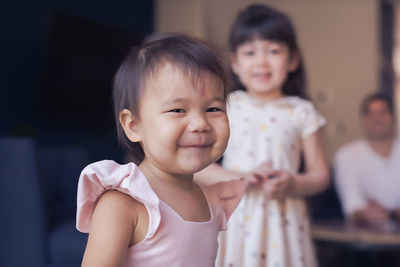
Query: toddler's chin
{"points": [[202, 166]]}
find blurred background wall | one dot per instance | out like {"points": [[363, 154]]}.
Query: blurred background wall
{"points": [[340, 41]]}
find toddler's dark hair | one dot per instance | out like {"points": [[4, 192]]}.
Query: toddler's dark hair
{"points": [[263, 22], [190, 55]]}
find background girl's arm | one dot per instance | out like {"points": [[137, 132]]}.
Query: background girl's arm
{"points": [[114, 220], [313, 181], [316, 178]]}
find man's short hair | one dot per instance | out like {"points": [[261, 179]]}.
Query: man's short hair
{"points": [[376, 97]]}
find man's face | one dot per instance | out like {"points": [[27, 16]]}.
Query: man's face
{"points": [[378, 121]]}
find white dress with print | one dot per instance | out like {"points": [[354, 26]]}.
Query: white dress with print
{"points": [[268, 232]]}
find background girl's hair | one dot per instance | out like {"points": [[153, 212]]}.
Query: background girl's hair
{"points": [[263, 22], [191, 56]]}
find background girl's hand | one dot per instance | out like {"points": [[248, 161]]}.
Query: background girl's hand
{"points": [[259, 174], [279, 186]]}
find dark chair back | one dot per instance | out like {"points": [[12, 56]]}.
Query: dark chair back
{"points": [[326, 205], [21, 209]]}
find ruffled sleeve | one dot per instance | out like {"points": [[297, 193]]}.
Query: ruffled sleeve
{"points": [[308, 118], [105, 175]]}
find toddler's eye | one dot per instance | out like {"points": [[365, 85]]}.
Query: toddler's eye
{"points": [[214, 109], [177, 110]]}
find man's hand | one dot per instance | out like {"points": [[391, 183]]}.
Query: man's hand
{"points": [[374, 214]]}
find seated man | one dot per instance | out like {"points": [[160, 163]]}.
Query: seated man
{"points": [[367, 170]]}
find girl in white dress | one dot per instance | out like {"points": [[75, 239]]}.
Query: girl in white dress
{"points": [[272, 124]]}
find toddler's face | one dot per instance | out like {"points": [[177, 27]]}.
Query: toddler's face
{"points": [[262, 66], [183, 126]]}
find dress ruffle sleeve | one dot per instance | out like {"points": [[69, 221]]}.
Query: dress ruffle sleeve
{"points": [[308, 118], [105, 175]]}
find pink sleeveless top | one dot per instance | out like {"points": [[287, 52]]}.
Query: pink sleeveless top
{"points": [[170, 240]]}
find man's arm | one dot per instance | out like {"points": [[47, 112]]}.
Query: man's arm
{"points": [[354, 203]]}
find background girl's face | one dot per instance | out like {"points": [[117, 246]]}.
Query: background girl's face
{"points": [[183, 125], [263, 66]]}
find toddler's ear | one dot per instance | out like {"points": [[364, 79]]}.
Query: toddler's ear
{"points": [[294, 61], [129, 124]]}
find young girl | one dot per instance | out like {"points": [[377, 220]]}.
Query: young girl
{"points": [[169, 98], [271, 125]]}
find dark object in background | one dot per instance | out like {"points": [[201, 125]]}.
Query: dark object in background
{"points": [[81, 59], [326, 205], [37, 223], [21, 224], [59, 169]]}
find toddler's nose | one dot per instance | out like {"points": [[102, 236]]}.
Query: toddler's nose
{"points": [[199, 123]]}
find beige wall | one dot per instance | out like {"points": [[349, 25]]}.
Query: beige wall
{"points": [[339, 40]]}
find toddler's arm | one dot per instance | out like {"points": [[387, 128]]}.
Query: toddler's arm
{"points": [[215, 173], [117, 222], [231, 185]]}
